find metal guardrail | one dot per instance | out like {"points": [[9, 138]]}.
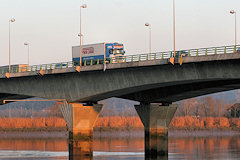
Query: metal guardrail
{"points": [[126, 59]]}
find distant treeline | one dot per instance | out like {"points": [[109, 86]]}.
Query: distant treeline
{"points": [[178, 123], [118, 123], [206, 106], [195, 123]]}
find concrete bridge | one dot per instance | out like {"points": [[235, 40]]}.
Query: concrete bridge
{"points": [[152, 81]]}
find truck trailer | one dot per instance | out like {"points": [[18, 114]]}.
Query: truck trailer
{"points": [[97, 53]]}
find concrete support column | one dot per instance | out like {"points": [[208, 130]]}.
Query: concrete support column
{"points": [[80, 120], [156, 120]]}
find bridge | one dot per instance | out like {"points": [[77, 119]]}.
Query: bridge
{"points": [[147, 78]]}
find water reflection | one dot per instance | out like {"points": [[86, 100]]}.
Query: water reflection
{"points": [[122, 149], [206, 148], [56, 145]]}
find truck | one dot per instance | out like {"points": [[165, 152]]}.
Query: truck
{"points": [[98, 53]]}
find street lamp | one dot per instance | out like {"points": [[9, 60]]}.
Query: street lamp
{"points": [[10, 21], [80, 34], [150, 30], [174, 29], [234, 12], [174, 35], [27, 44]]}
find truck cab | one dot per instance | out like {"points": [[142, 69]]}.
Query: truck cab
{"points": [[116, 52]]}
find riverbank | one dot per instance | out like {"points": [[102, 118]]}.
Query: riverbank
{"points": [[119, 134], [33, 135]]}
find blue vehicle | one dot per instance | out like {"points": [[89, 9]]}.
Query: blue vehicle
{"points": [[180, 53], [97, 53], [238, 50], [61, 65]]}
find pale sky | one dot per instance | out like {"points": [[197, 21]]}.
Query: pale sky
{"points": [[51, 26]]}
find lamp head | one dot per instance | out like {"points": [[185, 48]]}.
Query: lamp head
{"points": [[26, 43], [80, 35], [232, 12], [12, 20], [147, 24], [84, 6]]}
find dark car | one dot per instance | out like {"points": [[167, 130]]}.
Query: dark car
{"points": [[61, 65], [181, 54], [238, 50]]}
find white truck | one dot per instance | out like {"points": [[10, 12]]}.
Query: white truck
{"points": [[97, 53]]}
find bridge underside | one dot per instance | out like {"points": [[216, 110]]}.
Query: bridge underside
{"points": [[175, 93], [165, 95], [156, 93]]}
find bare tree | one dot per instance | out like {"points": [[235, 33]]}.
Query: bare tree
{"points": [[208, 106], [187, 107], [220, 104]]}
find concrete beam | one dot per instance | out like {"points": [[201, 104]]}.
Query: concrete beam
{"points": [[182, 91], [80, 120], [160, 82], [156, 120]]}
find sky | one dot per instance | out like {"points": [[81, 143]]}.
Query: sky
{"points": [[51, 26]]}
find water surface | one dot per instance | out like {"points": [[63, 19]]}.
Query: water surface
{"points": [[219, 148]]}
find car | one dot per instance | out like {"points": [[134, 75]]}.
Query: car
{"points": [[238, 50], [61, 65], [181, 53]]}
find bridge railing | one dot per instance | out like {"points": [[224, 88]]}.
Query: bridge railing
{"points": [[125, 59], [51, 66]]}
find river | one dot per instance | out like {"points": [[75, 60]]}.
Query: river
{"points": [[217, 147]]}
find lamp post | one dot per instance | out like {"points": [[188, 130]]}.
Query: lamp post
{"points": [[234, 12], [174, 29], [27, 44], [172, 58], [10, 21], [150, 36], [80, 34]]}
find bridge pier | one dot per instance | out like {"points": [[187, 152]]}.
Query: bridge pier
{"points": [[80, 120], [156, 119]]}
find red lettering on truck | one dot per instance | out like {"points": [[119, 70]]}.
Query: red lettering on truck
{"points": [[88, 50]]}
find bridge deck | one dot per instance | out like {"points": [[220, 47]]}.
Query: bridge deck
{"points": [[161, 58], [188, 59]]}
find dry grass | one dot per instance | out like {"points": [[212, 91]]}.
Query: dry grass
{"points": [[117, 122], [204, 123], [31, 123]]}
